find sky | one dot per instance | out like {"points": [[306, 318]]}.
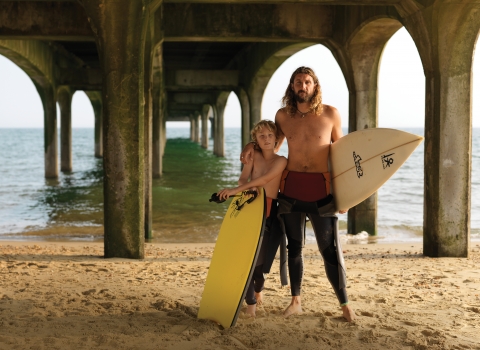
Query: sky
{"points": [[401, 90]]}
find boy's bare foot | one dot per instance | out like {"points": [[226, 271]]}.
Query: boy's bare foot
{"points": [[251, 310], [259, 297], [348, 313], [295, 307]]}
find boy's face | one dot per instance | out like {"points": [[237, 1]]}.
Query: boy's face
{"points": [[266, 138]]}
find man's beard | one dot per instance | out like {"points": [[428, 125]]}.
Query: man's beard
{"points": [[306, 97]]}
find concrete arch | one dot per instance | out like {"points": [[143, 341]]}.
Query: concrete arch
{"points": [[219, 130], [37, 60], [245, 106], [364, 49], [465, 41]]}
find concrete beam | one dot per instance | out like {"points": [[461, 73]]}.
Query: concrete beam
{"points": [[191, 98], [237, 22], [59, 20], [327, 2], [80, 79], [171, 118], [184, 106], [198, 80]]}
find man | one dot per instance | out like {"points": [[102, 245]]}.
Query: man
{"points": [[309, 127]]}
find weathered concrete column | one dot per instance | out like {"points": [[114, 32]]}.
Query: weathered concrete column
{"points": [[64, 98], [148, 125], [96, 101], [192, 127], [120, 32], [48, 98], [204, 131], [219, 136], [212, 123], [255, 93], [245, 104], [158, 109], [196, 127], [445, 36], [98, 132], [360, 58]]}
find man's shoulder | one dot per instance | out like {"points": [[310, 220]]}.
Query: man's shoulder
{"points": [[330, 112], [281, 113]]}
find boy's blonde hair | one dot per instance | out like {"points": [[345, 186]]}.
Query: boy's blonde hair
{"points": [[264, 124]]}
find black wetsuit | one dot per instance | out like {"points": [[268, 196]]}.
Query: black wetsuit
{"points": [[320, 211], [273, 238]]}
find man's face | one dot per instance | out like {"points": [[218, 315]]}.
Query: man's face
{"points": [[266, 138], [303, 87]]}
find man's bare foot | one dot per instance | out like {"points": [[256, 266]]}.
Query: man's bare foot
{"points": [[348, 313], [259, 297], [295, 307], [251, 310]]}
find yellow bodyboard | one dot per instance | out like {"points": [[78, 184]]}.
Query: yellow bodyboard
{"points": [[233, 260]]}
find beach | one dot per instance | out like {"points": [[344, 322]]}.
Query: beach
{"points": [[65, 295]]}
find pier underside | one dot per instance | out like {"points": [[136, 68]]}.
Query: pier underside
{"points": [[148, 61]]}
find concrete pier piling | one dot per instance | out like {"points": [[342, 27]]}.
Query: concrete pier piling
{"points": [[95, 98], [219, 133], [121, 27], [206, 110], [64, 98]]}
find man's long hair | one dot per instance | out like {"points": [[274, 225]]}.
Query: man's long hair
{"points": [[289, 102]]}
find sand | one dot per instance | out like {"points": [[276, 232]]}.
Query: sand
{"points": [[67, 296]]}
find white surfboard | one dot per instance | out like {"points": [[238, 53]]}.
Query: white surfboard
{"points": [[362, 161]]}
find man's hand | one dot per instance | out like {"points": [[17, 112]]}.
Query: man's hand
{"points": [[343, 211], [247, 153]]}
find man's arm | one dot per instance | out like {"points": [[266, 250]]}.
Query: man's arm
{"points": [[274, 171], [280, 134], [337, 124], [246, 172], [247, 153]]}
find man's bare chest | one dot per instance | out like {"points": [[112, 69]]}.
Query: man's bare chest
{"points": [[298, 130]]}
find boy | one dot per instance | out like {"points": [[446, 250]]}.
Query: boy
{"points": [[264, 169]]}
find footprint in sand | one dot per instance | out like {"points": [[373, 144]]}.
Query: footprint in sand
{"points": [[366, 313]]}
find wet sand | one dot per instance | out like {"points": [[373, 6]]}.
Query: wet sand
{"points": [[67, 296]]}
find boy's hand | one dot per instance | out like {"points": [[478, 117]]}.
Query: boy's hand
{"points": [[247, 153], [225, 193], [254, 189]]}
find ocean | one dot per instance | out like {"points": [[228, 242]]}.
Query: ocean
{"points": [[71, 208]]}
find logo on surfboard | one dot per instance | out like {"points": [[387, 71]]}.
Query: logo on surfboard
{"points": [[387, 160], [357, 159]]}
